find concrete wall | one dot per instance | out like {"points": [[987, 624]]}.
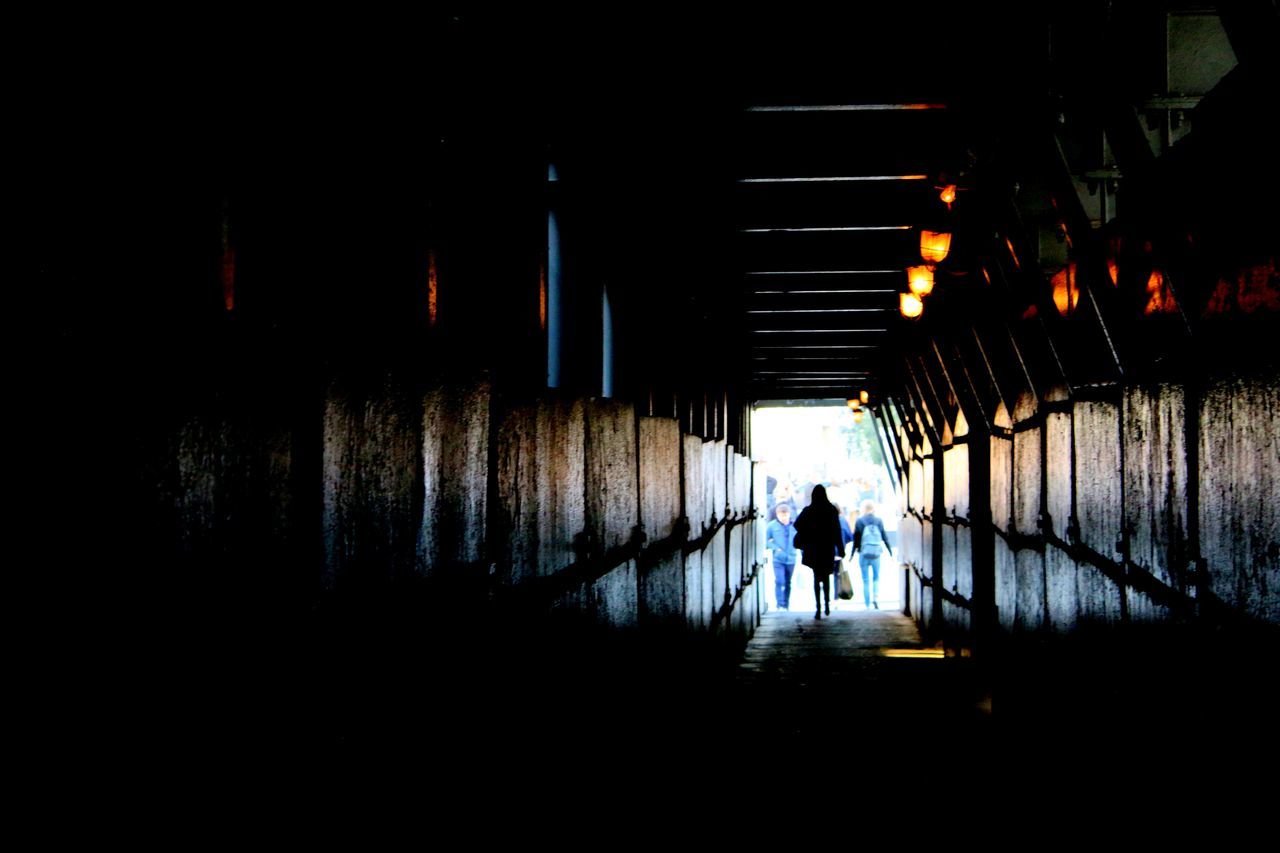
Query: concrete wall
{"points": [[375, 438], [1239, 515], [1095, 503]]}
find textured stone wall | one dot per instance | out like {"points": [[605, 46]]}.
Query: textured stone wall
{"points": [[1239, 449], [1155, 464], [1091, 503], [374, 443], [455, 473], [659, 476], [611, 475]]}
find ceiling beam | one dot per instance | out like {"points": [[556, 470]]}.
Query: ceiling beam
{"points": [[841, 108]]}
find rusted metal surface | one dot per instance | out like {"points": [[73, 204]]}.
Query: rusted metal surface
{"points": [[455, 460], [611, 479], [371, 452], [1098, 477], [1239, 509], [1155, 480], [659, 475]]}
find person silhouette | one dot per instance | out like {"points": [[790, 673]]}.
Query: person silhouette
{"points": [[819, 538]]}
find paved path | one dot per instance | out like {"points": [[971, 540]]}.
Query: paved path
{"points": [[859, 681]]}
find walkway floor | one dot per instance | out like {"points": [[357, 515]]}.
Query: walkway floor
{"points": [[857, 679]]}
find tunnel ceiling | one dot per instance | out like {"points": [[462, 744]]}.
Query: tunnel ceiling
{"points": [[841, 156], [828, 209]]}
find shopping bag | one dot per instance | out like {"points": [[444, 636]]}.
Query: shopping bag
{"points": [[846, 585]]}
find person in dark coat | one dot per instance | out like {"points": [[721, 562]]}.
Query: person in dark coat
{"points": [[819, 537]]}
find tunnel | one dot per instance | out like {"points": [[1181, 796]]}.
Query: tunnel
{"points": [[392, 381]]}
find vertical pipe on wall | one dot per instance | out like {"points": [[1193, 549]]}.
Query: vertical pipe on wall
{"points": [[554, 300], [606, 343]]}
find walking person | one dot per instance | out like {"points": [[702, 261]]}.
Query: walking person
{"points": [[780, 538], [820, 543], [869, 541]]}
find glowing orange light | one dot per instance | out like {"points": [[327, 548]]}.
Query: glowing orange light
{"points": [[934, 245], [433, 286], [857, 416], [1159, 297], [1066, 293], [948, 193], [910, 305], [1113, 270], [864, 396], [920, 280], [542, 296], [852, 403], [1012, 253]]}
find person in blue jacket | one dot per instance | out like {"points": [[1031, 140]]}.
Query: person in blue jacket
{"points": [[869, 541], [780, 538]]}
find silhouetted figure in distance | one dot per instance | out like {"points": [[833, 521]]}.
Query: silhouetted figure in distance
{"points": [[818, 535]]}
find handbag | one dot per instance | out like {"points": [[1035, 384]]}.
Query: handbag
{"points": [[845, 589]]}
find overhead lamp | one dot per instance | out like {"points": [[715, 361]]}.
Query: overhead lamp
{"points": [[864, 396], [910, 305], [852, 403], [934, 245], [920, 280], [1066, 290]]}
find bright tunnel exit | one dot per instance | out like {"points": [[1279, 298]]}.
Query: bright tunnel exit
{"points": [[803, 445]]}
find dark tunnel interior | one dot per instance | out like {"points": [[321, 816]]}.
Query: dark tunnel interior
{"points": [[386, 382]]}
